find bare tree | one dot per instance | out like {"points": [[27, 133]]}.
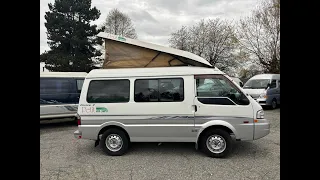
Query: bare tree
{"points": [[199, 38], [222, 44], [259, 35], [214, 40], [252, 70], [119, 23], [180, 39]]}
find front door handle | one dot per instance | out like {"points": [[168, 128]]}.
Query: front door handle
{"points": [[195, 108]]}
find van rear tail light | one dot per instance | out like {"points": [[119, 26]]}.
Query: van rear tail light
{"points": [[79, 120]]}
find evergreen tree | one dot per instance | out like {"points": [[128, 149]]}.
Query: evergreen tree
{"points": [[71, 37]]}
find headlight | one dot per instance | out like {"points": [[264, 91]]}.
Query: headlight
{"points": [[260, 114], [263, 95]]}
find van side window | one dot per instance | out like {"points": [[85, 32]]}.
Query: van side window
{"points": [[109, 91], [216, 89], [159, 90], [55, 90], [273, 84], [146, 91], [54, 86]]}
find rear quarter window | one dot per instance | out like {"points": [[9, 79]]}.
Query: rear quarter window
{"points": [[109, 91]]}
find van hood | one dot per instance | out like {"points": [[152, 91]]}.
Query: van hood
{"points": [[254, 93]]}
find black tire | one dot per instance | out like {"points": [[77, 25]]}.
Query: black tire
{"points": [[274, 101], [222, 133], [122, 135]]}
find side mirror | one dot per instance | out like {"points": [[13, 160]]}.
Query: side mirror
{"points": [[244, 99], [241, 84]]}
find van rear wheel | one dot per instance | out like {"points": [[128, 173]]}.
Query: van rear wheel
{"points": [[216, 143], [114, 142]]}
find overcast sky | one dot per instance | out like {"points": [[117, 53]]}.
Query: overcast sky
{"points": [[154, 20]]}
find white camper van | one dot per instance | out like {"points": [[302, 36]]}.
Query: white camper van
{"points": [[167, 104]]}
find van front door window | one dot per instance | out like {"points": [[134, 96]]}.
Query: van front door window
{"points": [[216, 89], [273, 84]]}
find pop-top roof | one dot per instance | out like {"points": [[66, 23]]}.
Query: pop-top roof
{"points": [[127, 52]]}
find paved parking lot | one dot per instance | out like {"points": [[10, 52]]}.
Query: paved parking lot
{"points": [[64, 157]]}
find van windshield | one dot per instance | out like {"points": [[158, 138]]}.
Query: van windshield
{"points": [[256, 84]]}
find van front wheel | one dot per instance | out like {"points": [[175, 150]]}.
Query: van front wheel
{"points": [[114, 142], [216, 143], [274, 104]]}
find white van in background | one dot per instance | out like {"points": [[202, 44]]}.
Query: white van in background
{"points": [[59, 94], [265, 89]]}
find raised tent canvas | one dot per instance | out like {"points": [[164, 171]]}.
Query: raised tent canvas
{"points": [[122, 52]]}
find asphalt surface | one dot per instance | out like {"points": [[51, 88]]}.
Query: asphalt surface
{"points": [[64, 157]]}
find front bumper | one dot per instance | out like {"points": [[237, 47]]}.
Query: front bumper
{"points": [[77, 134], [261, 128]]}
